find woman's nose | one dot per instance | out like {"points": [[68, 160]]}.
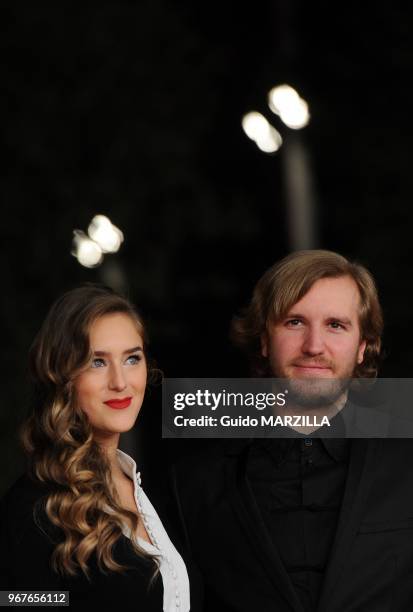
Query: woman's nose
{"points": [[117, 380]]}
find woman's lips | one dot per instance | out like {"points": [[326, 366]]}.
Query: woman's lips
{"points": [[119, 404]]}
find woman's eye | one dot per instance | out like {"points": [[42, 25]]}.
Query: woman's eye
{"points": [[134, 359], [98, 363]]}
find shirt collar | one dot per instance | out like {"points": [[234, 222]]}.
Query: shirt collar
{"points": [[337, 448], [128, 465]]}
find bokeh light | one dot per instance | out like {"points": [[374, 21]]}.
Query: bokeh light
{"points": [[285, 102], [105, 234], [87, 251], [258, 129]]}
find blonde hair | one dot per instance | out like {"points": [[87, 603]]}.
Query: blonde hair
{"points": [[58, 440], [285, 283]]}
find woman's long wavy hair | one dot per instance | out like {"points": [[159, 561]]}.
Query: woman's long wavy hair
{"points": [[57, 437], [285, 283]]}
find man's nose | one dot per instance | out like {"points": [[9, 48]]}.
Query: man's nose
{"points": [[117, 380], [313, 343]]}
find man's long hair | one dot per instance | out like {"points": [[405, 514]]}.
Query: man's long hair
{"points": [[82, 502], [285, 283]]}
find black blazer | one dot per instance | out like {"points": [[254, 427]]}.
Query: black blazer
{"points": [[371, 563], [26, 546]]}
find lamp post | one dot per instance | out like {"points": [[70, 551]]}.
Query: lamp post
{"points": [[293, 112]]}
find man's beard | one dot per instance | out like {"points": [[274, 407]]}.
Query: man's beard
{"points": [[315, 392]]}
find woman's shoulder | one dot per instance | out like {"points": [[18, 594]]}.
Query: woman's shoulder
{"points": [[22, 508], [23, 494], [25, 541], [26, 485]]}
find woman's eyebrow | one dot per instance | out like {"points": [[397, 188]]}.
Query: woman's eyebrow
{"points": [[127, 352]]}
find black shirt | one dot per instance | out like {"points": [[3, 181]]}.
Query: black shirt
{"points": [[298, 485]]}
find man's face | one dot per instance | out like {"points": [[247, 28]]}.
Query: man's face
{"points": [[319, 338]]}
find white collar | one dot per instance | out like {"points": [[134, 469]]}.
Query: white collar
{"points": [[128, 466]]}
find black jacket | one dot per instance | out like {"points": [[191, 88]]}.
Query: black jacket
{"points": [[26, 546], [371, 562]]}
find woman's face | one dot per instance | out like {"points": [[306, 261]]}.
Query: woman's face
{"points": [[111, 388]]}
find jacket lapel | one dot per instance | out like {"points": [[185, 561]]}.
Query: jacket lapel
{"points": [[362, 461], [246, 510]]}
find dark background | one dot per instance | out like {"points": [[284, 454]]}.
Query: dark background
{"points": [[133, 110]]}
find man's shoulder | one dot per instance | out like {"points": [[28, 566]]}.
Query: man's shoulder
{"points": [[400, 449], [392, 456]]}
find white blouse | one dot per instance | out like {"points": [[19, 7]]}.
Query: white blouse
{"points": [[171, 566]]}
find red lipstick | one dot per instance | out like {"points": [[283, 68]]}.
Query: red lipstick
{"points": [[119, 404]]}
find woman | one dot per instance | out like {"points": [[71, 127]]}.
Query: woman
{"points": [[79, 520]]}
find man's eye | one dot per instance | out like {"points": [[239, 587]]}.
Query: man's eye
{"points": [[336, 325], [134, 359], [293, 322], [98, 363]]}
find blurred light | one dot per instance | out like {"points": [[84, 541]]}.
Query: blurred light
{"points": [[282, 97], [87, 252], [254, 125], [108, 236], [265, 136], [271, 142], [284, 101], [297, 116]]}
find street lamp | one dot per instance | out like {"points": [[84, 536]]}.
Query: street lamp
{"points": [[285, 102]]}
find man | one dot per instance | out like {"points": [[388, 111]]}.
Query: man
{"points": [[305, 524]]}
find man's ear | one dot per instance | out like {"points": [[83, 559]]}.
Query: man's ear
{"points": [[264, 344], [360, 354]]}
